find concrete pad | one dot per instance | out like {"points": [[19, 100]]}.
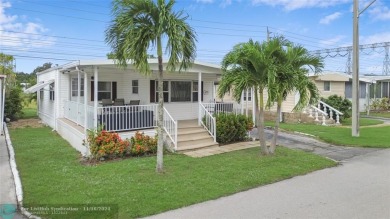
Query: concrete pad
{"points": [[357, 189]]}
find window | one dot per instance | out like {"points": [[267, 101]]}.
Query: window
{"points": [[41, 94], [51, 91], [326, 85], [134, 84], [104, 90], [165, 91], [180, 91], [249, 94], [175, 91], [75, 87]]}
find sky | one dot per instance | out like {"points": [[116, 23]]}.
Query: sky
{"points": [[61, 31]]}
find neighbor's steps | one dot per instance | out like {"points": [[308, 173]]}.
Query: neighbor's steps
{"points": [[191, 136]]}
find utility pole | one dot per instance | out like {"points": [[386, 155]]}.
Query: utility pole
{"points": [[355, 67], [268, 33]]}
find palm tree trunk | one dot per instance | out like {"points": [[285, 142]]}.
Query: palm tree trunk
{"points": [[160, 141], [260, 122], [276, 130]]}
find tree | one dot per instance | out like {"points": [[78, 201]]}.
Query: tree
{"points": [[249, 65], [140, 24], [291, 64]]}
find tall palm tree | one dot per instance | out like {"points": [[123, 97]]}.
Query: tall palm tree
{"points": [[246, 66], [291, 76], [141, 24]]}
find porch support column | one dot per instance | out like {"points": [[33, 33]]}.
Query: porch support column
{"points": [[199, 95], [85, 103], [78, 95], [253, 106], [86, 117], [242, 102], [246, 102], [95, 91]]}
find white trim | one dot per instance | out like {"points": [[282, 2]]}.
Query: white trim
{"points": [[38, 86]]}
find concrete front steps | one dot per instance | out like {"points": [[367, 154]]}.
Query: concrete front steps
{"points": [[191, 137]]}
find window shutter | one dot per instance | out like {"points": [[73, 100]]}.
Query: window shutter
{"points": [[114, 90], [202, 91], [152, 91], [92, 90]]}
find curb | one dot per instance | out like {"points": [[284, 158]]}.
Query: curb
{"points": [[15, 173]]}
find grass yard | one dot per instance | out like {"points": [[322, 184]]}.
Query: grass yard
{"points": [[377, 137], [362, 122], [376, 114], [52, 174], [30, 111]]}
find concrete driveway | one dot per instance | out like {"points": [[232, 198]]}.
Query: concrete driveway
{"points": [[358, 188]]}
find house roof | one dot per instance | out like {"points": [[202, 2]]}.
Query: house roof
{"points": [[337, 76], [200, 66]]}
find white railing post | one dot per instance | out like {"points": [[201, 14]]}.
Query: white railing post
{"points": [[316, 115], [337, 119], [323, 120]]}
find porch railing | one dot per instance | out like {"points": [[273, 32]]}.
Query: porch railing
{"points": [[222, 108], [207, 120], [170, 127], [74, 111], [124, 118]]}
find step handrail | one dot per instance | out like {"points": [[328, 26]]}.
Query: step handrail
{"points": [[170, 127], [331, 110], [330, 107], [324, 114], [209, 123]]}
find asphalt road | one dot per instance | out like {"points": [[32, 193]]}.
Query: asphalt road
{"points": [[358, 188]]}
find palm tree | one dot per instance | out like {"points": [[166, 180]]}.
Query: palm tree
{"points": [[141, 24], [246, 66], [291, 76]]}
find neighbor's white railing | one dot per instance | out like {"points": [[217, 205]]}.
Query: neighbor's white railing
{"points": [[126, 118], [207, 120], [331, 111], [316, 112], [170, 127]]}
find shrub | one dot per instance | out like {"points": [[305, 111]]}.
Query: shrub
{"points": [[107, 145], [232, 127], [384, 103], [341, 104], [142, 144], [13, 104]]}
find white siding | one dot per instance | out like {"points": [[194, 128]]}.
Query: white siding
{"points": [[46, 106]]}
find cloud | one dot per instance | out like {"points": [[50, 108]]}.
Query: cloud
{"points": [[291, 5], [380, 12], [334, 42], [330, 18], [205, 1], [375, 38], [18, 35]]}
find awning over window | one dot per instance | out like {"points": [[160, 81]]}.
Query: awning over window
{"points": [[38, 86]]}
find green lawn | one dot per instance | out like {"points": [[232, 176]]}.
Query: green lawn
{"points": [[362, 122], [376, 114], [52, 174], [369, 137], [29, 111]]}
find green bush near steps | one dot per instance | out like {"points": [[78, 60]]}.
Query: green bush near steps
{"points": [[232, 128]]}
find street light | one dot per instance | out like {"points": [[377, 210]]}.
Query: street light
{"points": [[355, 68]]}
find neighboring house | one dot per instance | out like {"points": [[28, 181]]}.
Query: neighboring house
{"points": [[72, 98], [333, 83]]}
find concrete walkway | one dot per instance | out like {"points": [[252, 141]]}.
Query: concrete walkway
{"points": [[293, 141], [359, 188], [8, 202]]}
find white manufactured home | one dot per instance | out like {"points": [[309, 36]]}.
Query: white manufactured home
{"points": [[84, 95]]}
